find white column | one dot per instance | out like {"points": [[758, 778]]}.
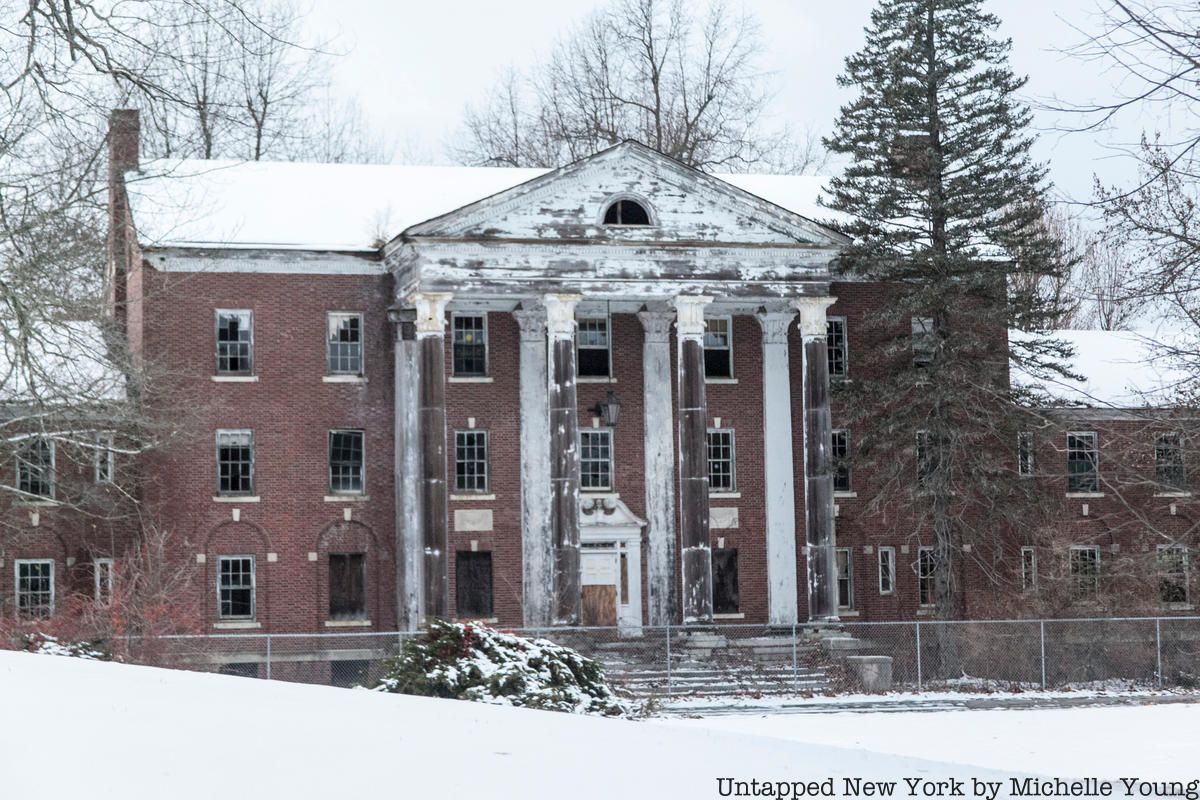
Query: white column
{"points": [[537, 546], [778, 467], [659, 450], [562, 401], [410, 599], [693, 462]]}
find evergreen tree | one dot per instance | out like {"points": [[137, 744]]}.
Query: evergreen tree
{"points": [[946, 208]]}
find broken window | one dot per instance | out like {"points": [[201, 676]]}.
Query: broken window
{"points": [[626, 212], [35, 467], [924, 341], [347, 586], [595, 459], [104, 458], [1025, 454], [721, 461], [887, 570], [235, 343], [470, 345], [1172, 573], [35, 587], [1085, 572], [103, 580], [235, 462], [346, 462], [470, 461], [835, 342], [345, 343], [473, 580], [926, 577], [718, 348], [845, 578], [927, 458], [1028, 569], [235, 587], [726, 596], [840, 453], [1083, 470], [594, 348], [1168, 462]]}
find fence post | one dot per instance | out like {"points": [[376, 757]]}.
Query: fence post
{"points": [[1042, 627], [1158, 649], [268, 656], [795, 665], [919, 681], [668, 658]]}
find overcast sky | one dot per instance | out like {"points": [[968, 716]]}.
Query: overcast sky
{"points": [[416, 65]]}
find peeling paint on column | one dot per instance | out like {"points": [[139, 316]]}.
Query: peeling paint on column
{"points": [[564, 456], [409, 543], [693, 462], [660, 465], [537, 543]]}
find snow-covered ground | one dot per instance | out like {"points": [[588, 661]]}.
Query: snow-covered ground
{"points": [[76, 728]]}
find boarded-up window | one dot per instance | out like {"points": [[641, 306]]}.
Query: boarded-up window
{"points": [[473, 576], [726, 598], [347, 586]]}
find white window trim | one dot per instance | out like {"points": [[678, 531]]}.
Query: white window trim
{"points": [[1095, 449], [845, 347], [1029, 582], [329, 464], [96, 579], [849, 576], [849, 472], [17, 564], [920, 550], [1095, 548], [28, 498], [733, 470], [612, 460], [1022, 438], [243, 496], [891, 552], [104, 454], [731, 377], [487, 349], [244, 376], [253, 589], [609, 333], [362, 348], [487, 465]]}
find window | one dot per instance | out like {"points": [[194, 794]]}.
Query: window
{"points": [[35, 587], [104, 457], [1028, 569], [1169, 472], [718, 348], [595, 459], [626, 212], [235, 587], [1172, 573], [346, 462], [924, 341], [927, 459], [926, 577], [470, 461], [235, 343], [1025, 454], [103, 580], [235, 462], [347, 586], [470, 344], [345, 343], [1085, 571], [721, 461], [473, 580], [594, 348], [845, 578], [840, 452], [35, 467], [726, 597], [835, 340], [1083, 470], [887, 570]]}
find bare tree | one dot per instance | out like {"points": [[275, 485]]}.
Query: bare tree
{"points": [[685, 83]]}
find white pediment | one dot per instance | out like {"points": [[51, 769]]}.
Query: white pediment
{"points": [[685, 205], [605, 516]]}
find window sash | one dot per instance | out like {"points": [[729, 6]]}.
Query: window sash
{"points": [[235, 342], [1085, 571], [1025, 462], [845, 577], [722, 460], [887, 570], [344, 343], [471, 461], [235, 462], [836, 348], [926, 577], [718, 347], [236, 585], [103, 580], [346, 460], [1173, 574], [839, 451], [347, 586], [1169, 470], [1028, 569], [35, 467], [105, 458], [34, 585], [470, 340], [924, 340], [595, 459], [1083, 462]]}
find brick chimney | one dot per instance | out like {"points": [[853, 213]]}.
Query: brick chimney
{"points": [[124, 128]]}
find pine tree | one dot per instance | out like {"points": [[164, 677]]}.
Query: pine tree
{"points": [[946, 205]]}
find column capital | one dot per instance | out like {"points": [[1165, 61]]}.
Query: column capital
{"points": [[689, 313], [775, 325], [812, 315], [531, 318], [431, 312], [560, 314], [657, 325]]}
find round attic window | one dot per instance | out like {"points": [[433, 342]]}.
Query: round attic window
{"points": [[626, 212]]}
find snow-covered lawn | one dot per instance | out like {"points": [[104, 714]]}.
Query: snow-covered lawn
{"points": [[75, 728]]}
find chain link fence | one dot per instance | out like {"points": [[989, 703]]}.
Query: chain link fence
{"points": [[756, 660]]}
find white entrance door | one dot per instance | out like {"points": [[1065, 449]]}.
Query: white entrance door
{"points": [[611, 581]]}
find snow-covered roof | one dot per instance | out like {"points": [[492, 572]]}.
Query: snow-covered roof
{"points": [[344, 207], [66, 364], [1121, 369]]}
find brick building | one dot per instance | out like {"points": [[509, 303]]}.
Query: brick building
{"points": [[595, 395]]}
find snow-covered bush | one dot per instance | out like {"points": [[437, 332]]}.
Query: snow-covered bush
{"points": [[52, 646], [468, 661]]}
